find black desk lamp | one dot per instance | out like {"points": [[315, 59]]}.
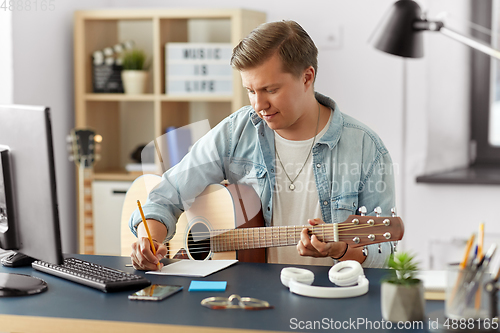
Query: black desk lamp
{"points": [[400, 32]]}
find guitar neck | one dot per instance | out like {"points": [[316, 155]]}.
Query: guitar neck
{"points": [[264, 237], [86, 214], [84, 144], [254, 238]]}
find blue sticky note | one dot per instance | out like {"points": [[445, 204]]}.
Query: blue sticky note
{"points": [[207, 286]]}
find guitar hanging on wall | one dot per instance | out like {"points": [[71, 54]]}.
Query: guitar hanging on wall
{"points": [[84, 145], [226, 222]]}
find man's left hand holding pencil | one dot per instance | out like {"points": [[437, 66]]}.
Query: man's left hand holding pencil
{"points": [[143, 257]]}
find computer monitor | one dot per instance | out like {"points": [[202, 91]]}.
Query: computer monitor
{"points": [[29, 219]]}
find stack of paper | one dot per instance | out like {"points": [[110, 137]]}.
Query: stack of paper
{"points": [[434, 284]]}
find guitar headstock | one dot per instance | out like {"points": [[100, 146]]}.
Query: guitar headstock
{"points": [[361, 230], [84, 146]]}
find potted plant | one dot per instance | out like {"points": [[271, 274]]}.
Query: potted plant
{"points": [[134, 72], [402, 294]]}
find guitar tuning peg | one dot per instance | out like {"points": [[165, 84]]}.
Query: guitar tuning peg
{"points": [[97, 157], [69, 138], [393, 212], [362, 210], [71, 158], [378, 211], [394, 247]]}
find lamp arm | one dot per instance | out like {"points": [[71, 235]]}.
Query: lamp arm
{"points": [[421, 25], [469, 41]]}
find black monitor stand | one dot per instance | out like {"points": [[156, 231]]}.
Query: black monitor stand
{"points": [[20, 285], [12, 284]]}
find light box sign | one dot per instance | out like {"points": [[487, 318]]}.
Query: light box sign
{"points": [[198, 68]]}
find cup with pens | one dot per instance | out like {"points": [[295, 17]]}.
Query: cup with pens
{"points": [[470, 286]]}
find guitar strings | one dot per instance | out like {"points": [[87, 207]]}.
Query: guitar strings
{"points": [[281, 232], [199, 248], [267, 244], [219, 235], [272, 240], [327, 227]]}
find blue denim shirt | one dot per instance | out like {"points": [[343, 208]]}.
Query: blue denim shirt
{"points": [[352, 168]]}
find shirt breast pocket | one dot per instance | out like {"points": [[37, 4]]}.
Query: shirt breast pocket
{"points": [[248, 173], [344, 205]]}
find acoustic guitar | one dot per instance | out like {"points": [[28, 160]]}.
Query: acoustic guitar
{"points": [[226, 222], [83, 147]]}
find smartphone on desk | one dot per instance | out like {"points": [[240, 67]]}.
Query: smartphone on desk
{"points": [[155, 292]]}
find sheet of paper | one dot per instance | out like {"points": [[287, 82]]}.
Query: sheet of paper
{"points": [[195, 268], [433, 280]]}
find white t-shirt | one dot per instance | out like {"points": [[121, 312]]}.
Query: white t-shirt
{"points": [[294, 208]]}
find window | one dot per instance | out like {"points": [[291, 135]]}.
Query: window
{"points": [[485, 88], [485, 104]]}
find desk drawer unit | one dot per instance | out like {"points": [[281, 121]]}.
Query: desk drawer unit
{"points": [[108, 197]]}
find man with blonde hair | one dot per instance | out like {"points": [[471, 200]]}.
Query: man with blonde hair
{"points": [[309, 162]]}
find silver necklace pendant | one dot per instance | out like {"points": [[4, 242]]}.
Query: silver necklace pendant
{"points": [[292, 187]]}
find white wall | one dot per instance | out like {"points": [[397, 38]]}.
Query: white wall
{"points": [[43, 75], [366, 83], [6, 75]]}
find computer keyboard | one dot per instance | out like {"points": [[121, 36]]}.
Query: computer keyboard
{"points": [[92, 275]]}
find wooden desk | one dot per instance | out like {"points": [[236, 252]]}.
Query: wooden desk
{"points": [[70, 307]]}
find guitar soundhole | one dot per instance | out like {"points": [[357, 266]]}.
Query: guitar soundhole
{"points": [[198, 241]]}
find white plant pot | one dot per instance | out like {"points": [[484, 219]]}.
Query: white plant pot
{"points": [[402, 303], [134, 81]]}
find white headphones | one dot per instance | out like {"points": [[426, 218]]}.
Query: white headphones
{"points": [[348, 275]]}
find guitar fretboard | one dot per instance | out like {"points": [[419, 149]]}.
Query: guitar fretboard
{"points": [[264, 237], [86, 216], [253, 238]]}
